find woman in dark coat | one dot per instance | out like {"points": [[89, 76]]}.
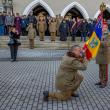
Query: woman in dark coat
{"points": [[13, 43], [63, 29]]}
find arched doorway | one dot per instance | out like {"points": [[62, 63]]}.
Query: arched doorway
{"points": [[36, 3], [74, 13], [39, 9], [38, 6], [76, 10]]}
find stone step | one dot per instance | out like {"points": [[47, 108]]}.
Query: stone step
{"points": [[39, 44]]}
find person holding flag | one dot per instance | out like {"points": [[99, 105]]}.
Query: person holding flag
{"points": [[91, 47], [103, 54], [97, 47], [103, 58]]}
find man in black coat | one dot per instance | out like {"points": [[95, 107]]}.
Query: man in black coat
{"points": [[83, 30]]}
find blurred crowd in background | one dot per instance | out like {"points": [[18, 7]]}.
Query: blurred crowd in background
{"points": [[48, 26]]}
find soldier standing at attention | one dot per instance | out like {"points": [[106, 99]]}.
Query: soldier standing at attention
{"points": [[41, 27], [58, 20], [53, 28], [103, 59], [68, 79], [31, 35], [103, 55]]}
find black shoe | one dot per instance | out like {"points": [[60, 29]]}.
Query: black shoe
{"points": [[41, 40], [16, 60], [102, 86], [99, 83], [46, 95], [75, 95], [12, 60]]}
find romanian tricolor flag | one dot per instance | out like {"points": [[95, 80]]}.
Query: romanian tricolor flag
{"points": [[91, 47]]}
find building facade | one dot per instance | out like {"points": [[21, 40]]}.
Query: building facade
{"points": [[86, 8]]}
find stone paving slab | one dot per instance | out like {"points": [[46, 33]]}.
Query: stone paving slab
{"points": [[33, 54], [22, 84]]}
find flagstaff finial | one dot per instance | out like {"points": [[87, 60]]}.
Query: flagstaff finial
{"points": [[102, 7]]}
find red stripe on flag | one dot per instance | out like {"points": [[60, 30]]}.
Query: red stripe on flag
{"points": [[100, 17], [88, 53]]}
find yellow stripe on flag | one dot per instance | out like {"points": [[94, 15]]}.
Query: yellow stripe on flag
{"points": [[93, 44]]}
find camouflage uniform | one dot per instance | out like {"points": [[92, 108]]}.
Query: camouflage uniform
{"points": [[53, 29], [103, 60], [68, 78], [41, 27], [31, 36]]}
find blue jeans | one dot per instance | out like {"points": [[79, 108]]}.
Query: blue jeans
{"points": [[1, 30]]}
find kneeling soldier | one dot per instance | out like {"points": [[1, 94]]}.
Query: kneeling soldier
{"points": [[68, 78]]}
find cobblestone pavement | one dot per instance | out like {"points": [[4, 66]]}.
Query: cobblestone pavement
{"points": [[22, 84]]}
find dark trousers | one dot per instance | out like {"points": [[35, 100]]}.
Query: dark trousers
{"points": [[73, 36], [63, 36], [5, 30], [8, 28], [83, 36], [24, 33], [13, 50]]}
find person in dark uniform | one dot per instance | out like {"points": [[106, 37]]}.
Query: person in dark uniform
{"points": [[63, 30], [13, 43], [83, 30]]}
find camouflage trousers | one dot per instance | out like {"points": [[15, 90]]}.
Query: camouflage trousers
{"points": [[31, 43], [103, 73], [41, 35], [53, 36], [65, 95]]}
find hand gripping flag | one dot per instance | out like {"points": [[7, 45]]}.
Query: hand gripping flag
{"points": [[91, 47]]}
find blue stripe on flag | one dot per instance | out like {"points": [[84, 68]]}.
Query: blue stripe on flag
{"points": [[98, 29]]}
